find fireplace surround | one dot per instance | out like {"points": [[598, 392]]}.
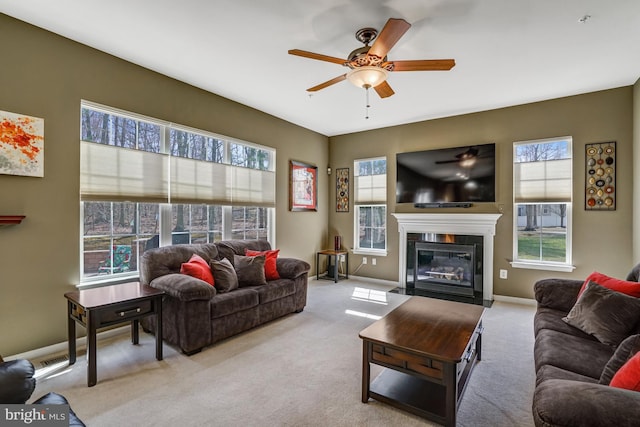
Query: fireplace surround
{"points": [[475, 230]]}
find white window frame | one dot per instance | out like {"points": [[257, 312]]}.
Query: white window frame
{"points": [[566, 266], [356, 220], [165, 209]]}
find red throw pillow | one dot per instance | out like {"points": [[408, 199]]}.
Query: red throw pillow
{"points": [[197, 267], [270, 268], [628, 376], [629, 288]]}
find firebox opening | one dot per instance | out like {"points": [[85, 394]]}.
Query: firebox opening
{"points": [[448, 266]]}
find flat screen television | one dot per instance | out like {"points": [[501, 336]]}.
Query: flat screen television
{"points": [[461, 175]]}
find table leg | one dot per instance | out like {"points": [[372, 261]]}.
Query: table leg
{"points": [[158, 307], [366, 371], [346, 271], [91, 350], [317, 266], [135, 337], [71, 333], [451, 394], [335, 268], [479, 343]]}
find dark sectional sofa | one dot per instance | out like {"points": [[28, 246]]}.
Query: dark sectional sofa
{"points": [[571, 366], [195, 314]]}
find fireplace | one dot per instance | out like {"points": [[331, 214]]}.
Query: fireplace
{"points": [[447, 256]]}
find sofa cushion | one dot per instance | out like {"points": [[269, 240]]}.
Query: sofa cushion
{"points": [[626, 287], [229, 248], [628, 376], [549, 318], [608, 315], [625, 351], [224, 275], [584, 356], [233, 302], [168, 259], [197, 267], [548, 372], [250, 270], [275, 289], [16, 381], [270, 263]]}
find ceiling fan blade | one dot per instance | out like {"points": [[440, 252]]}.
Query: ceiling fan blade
{"points": [[424, 65], [384, 90], [388, 37], [317, 56], [327, 83]]}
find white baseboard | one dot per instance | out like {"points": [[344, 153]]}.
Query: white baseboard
{"points": [[515, 300], [63, 347]]}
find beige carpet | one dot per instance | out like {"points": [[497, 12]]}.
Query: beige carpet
{"points": [[301, 370]]}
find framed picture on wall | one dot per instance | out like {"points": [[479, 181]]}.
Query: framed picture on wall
{"points": [[342, 190], [303, 186], [600, 177]]}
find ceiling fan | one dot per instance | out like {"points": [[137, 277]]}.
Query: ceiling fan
{"points": [[369, 65]]}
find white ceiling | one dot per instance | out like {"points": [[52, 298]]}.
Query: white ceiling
{"points": [[507, 52]]}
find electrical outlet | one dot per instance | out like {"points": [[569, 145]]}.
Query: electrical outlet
{"points": [[373, 261], [503, 274], [364, 259]]}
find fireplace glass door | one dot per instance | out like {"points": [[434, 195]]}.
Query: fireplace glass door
{"points": [[444, 267]]}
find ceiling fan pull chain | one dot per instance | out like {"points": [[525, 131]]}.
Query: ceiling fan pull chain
{"points": [[367, 105]]}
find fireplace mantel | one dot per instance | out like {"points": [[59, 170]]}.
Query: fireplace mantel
{"points": [[479, 224]]}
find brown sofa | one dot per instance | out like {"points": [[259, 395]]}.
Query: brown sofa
{"points": [[573, 369], [195, 314]]}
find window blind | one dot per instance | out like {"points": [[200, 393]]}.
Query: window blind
{"points": [[547, 181], [122, 174], [369, 188], [118, 174]]}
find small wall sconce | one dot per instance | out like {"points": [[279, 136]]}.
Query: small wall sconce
{"points": [[328, 170]]}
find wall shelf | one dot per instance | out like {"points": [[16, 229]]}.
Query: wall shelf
{"points": [[11, 219]]}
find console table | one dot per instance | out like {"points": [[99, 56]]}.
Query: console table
{"points": [[97, 308], [332, 254]]}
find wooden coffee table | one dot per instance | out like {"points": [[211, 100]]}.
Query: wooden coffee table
{"points": [[429, 348], [110, 305]]}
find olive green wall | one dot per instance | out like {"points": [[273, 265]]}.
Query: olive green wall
{"points": [[44, 75], [601, 240]]}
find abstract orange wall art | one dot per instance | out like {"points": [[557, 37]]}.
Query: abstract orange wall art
{"points": [[21, 145]]}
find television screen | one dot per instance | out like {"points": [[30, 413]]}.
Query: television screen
{"points": [[449, 175]]}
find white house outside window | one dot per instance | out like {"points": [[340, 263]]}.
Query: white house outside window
{"points": [[146, 183], [542, 197], [370, 198]]}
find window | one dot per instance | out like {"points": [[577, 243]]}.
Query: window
{"points": [[542, 196], [147, 183], [370, 195]]}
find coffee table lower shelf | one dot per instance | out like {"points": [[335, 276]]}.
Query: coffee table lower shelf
{"points": [[412, 394]]}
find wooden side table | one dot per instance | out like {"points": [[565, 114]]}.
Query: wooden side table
{"points": [[109, 305], [330, 253]]}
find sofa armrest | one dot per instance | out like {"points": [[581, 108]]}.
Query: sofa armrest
{"points": [[559, 294], [184, 287], [566, 403], [291, 268], [16, 381]]}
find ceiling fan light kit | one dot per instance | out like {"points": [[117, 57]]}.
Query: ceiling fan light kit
{"points": [[367, 76]]}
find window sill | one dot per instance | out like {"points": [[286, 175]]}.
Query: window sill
{"points": [[567, 268], [106, 281], [369, 252]]}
